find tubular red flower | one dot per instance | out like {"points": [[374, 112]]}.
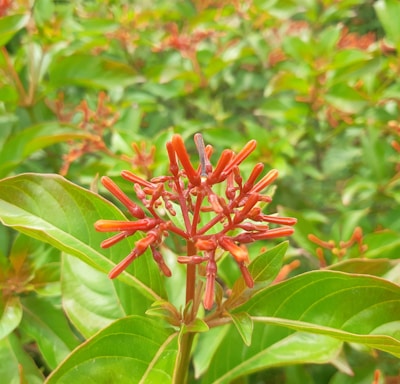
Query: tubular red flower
{"points": [[273, 233], [225, 158], [211, 272], [205, 244], [265, 181], [116, 238], [279, 220], [250, 203], [258, 168], [127, 175], [119, 225], [157, 256], [173, 165], [195, 259], [179, 147], [245, 152], [248, 279], [120, 267], [133, 208], [240, 254]]}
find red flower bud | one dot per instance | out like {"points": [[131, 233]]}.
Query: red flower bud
{"points": [[279, 220], [240, 254], [116, 238], [273, 233], [265, 181], [127, 175], [211, 272], [245, 152], [179, 147], [225, 158], [118, 225], [258, 168], [133, 208], [248, 279]]}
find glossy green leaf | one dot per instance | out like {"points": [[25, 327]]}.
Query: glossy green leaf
{"points": [[318, 309], [16, 366], [21, 145], [10, 25], [48, 326], [387, 10], [54, 210], [377, 267], [91, 71], [89, 296], [131, 350], [10, 314]]}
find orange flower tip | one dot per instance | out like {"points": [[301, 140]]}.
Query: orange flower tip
{"points": [[240, 254], [195, 259], [179, 147], [118, 225], [268, 179], [127, 175]]}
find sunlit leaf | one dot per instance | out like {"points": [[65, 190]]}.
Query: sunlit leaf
{"points": [[306, 319], [131, 350], [54, 210]]}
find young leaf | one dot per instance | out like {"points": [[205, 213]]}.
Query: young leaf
{"points": [[132, 350], [10, 314]]}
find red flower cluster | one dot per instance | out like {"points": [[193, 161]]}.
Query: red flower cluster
{"points": [[237, 214]]}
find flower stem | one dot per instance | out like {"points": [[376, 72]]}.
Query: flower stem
{"points": [[186, 338]]}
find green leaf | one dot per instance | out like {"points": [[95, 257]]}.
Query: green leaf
{"points": [[387, 11], [90, 71], [378, 267], [263, 269], [89, 297], [21, 145], [48, 326], [54, 210], [319, 310], [244, 325], [16, 366], [131, 350], [10, 314], [10, 25]]}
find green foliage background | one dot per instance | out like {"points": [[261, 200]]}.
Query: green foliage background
{"points": [[315, 82]]}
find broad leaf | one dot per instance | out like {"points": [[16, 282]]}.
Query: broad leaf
{"points": [[319, 309], [387, 10], [131, 350], [91, 71], [21, 145], [10, 25], [89, 296], [54, 210], [16, 366], [48, 326]]}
